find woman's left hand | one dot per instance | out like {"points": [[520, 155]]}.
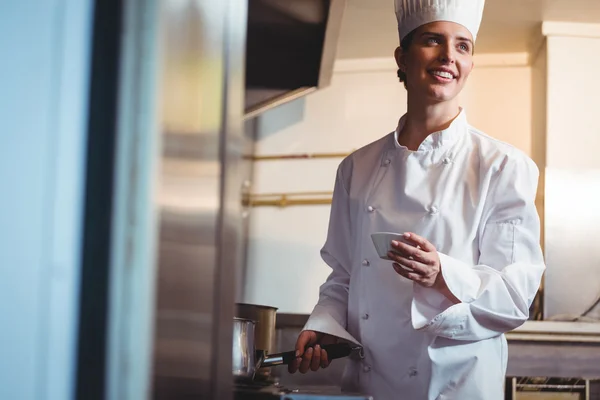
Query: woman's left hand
{"points": [[417, 260]]}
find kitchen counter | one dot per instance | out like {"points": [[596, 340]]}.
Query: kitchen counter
{"points": [[323, 392], [540, 348], [297, 392], [538, 328]]}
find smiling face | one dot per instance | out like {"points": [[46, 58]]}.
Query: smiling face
{"points": [[437, 62]]}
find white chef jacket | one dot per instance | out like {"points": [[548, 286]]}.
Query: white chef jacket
{"points": [[472, 197]]}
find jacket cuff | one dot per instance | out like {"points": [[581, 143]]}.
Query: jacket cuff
{"points": [[461, 278], [322, 320], [430, 307], [426, 305]]}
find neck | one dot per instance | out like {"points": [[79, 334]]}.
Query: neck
{"points": [[424, 119]]}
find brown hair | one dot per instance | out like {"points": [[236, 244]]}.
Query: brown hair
{"points": [[404, 45]]}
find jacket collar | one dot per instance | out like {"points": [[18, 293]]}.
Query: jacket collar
{"points": [[440, 139]]}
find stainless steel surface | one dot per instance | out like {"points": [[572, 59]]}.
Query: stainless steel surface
{"points": [[199, 196], [330, 44], [134, 225], [286, 98], [273, 360], [572, 252], [264, 335], [246, 171], [336, 13], [244, 361], [230, 234]]}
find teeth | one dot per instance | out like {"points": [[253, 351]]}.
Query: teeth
{"points": [[443, 74]]}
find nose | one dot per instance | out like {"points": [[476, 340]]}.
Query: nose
{"points": [[447, 54]]}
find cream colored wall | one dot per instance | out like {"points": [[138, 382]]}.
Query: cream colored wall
{"points": [[284, 266], [498, 102], [573, 104], [572, 186], [539, 115]]}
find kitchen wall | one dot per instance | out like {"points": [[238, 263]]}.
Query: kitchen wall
{"points": [[573, 171], [539, 89], [364, 103]]}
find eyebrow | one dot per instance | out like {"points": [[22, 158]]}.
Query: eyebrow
{"points": [[462, 38]]}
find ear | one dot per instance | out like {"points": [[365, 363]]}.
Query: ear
{"points": [[400, 58]]}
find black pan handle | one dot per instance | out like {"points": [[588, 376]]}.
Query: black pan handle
{"points": [[338, 350]]}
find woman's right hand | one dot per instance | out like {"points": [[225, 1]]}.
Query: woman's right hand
{"points": [[309, 354]]}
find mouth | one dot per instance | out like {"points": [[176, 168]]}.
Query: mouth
{"points": [[443, 76]]}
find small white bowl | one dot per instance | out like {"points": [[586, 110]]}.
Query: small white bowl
{"points": [[383, 242]]}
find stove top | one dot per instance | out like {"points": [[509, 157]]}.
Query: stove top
{"points": [[274, 391]]}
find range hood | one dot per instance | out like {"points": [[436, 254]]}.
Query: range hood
{"points": [[290, 50]]}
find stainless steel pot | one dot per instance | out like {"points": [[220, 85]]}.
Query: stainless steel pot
{"points": [[264, 334], [247, 360], [244, 356]]}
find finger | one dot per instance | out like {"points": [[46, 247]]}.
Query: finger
{"points": [[407, 258], [420, 241], [315, 363], [410, 251], [306, 360], [305, 339], [293, 366], [413, 265], [407, 274], [324, 359]]}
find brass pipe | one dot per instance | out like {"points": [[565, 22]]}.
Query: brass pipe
{"points": [[287, 199], [302, 156], [284, 202], [295, 194]]}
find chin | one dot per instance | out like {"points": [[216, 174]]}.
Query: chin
{"points": [[436, 93], [440, 96]]}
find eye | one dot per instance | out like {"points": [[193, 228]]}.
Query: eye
{"points": [[464, 47], [433, 40]]}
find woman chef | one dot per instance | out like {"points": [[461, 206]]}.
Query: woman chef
{"points": [[431, 322]]}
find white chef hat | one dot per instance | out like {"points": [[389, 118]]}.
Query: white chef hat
{"points": [[413, 13]]}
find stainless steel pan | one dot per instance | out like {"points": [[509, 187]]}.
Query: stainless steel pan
{"points": [[264, 331], [247, 360]]}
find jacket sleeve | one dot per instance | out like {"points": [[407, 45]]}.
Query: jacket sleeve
{"points": [[496, 294], [330, 313]]}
